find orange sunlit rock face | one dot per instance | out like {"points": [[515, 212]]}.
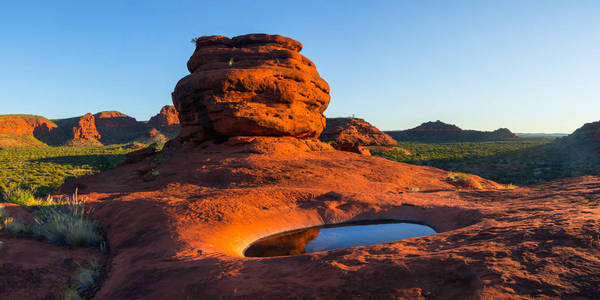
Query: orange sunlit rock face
{"points": [[251, 85]]}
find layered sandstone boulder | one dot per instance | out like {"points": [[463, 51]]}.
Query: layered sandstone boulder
{"points": [[250, 85]]}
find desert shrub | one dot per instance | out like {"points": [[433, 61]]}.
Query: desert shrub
{"points": [[67, 224], [19, 196], [452, 176]]}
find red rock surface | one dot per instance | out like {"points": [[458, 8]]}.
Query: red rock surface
{"points": [[250, 85], [355, 131], [84, 131], [31, 269], [182, 235], [352, 134], [25, 124], [25, 130], [166, 119]]}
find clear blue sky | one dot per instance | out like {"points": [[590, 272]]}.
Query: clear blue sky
{"points": [[531, 66]]}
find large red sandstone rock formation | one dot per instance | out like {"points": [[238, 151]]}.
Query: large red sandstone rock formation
{"points": [[25, 124], [25, 130], [84, 131], [250, 85], [166, 119]]}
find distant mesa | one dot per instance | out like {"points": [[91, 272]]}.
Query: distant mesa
{"points": [[352, 134], [442, 132], [250, 85], [103, 128], [24, 130]]}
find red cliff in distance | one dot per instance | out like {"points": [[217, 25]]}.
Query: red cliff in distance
{"points": [[166, 119]]}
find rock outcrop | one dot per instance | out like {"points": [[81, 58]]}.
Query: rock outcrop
{"points": [[250, 85], [84, 131], [118, 128], [25, 130], [352, 134], [108, 127], [441, 132], [25, 124], [166, 120]]}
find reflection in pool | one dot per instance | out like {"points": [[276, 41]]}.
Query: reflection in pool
{"points": [[328, 237]]}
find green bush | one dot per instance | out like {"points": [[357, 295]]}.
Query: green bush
{"points": [[61, 227], [19, 196], [67, 224]]}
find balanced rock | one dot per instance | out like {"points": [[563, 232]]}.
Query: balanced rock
{"points": [[250, 85]]}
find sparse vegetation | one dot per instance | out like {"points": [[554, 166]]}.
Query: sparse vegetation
{"points": [[67, 224], [41, 170], [19, 196], [59, 220], [522, 162]]}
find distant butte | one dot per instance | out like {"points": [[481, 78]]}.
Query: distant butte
{"points": [[439, 131]]}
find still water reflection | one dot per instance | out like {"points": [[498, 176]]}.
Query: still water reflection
{"points": [[328, 237]]}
